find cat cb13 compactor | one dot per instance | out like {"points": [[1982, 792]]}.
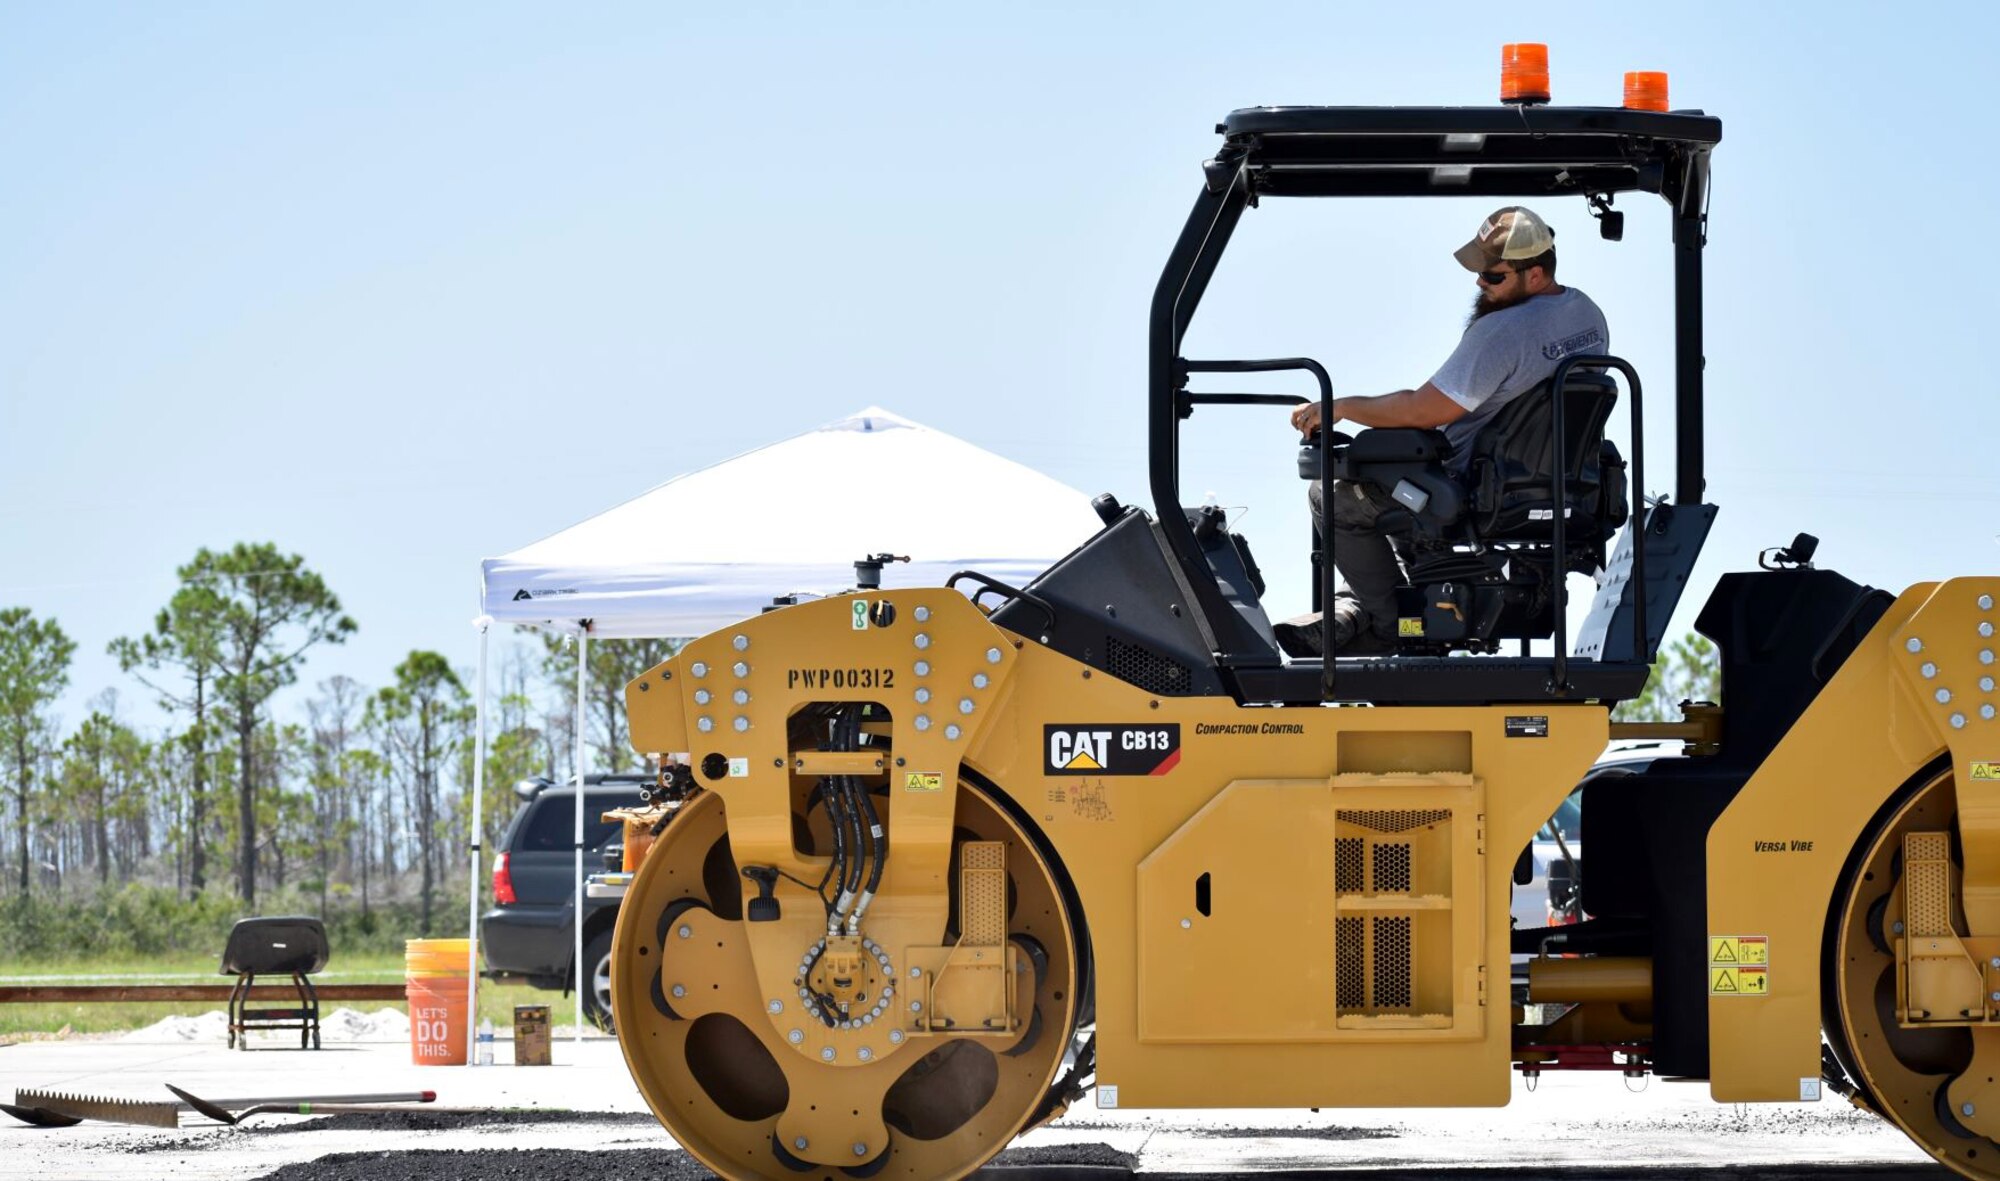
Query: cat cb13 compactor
{"points": [[925, 864]]}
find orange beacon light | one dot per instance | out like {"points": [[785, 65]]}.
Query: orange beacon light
{"points": [[1645, 90], [1524, 73]]}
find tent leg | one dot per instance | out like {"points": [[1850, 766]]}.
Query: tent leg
{"points": [[583, 981], [484, 624]]}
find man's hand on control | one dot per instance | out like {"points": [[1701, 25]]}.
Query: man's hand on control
{"points": [[1305, 417]]}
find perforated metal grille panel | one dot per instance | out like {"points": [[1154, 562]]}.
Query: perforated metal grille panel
{"points": [[1396, 820], [1350, 980], [1392, 963], [1348, 864], [1927, 883], [1392, 869], [983, 892], [1144, 667]]}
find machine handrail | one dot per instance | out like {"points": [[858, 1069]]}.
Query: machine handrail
{"points": [[1188, 401], [1006, 591], [1326, 571], [1559, 669]]}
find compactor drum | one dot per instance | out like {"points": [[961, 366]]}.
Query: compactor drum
{"points": [[924, 869]]}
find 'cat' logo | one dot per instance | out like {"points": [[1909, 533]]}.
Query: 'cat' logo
{"points": [[1079, 750], [1111, 748]]}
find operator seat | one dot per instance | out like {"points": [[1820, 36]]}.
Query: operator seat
{"points": [[1479, 542]]}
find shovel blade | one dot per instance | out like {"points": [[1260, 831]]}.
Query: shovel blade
{"points": [[40, 1117]]}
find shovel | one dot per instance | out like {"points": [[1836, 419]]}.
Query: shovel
{"points": [[309, 1106], [51, 1109]]}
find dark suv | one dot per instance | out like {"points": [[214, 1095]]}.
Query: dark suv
{"points": [[529, 933]]}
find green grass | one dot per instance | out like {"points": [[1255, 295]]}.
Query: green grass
{"points": [[496, 1000]]}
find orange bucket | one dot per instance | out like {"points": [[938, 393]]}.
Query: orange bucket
{"points": [[434, 980], [436, 957], [437, 1020]]}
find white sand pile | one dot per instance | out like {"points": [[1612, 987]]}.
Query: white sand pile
{"points": [[340, 1025]]}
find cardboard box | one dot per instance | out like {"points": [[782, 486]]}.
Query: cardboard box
{"points": [[531, 1035]]}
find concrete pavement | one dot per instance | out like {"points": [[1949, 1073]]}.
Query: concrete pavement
{"points": [[1574, 1123]]}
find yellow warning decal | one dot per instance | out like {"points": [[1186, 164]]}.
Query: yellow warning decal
{"points": [[1987, 771], [923, 781], [1739, 949], [1740, 981], [1410, 626]]}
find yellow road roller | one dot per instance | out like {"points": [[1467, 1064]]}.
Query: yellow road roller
{"points": [[928, 865]]}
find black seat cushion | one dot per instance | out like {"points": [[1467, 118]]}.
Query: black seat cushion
{"points": [[277, 945]]}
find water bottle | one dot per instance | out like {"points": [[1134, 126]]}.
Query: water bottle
{"points": [[485, 1041]]}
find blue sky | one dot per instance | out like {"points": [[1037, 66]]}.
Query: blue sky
{"points": [[402, 286]]}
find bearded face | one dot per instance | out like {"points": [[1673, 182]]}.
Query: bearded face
{"points": [[1492, 299]]}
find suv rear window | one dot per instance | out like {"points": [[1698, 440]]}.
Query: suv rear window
{"points": [[552, 820]]}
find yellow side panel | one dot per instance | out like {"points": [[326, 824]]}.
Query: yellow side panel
{"points": [[1269, 845], [1262, 981], [1775, 856], [1263, 856]]}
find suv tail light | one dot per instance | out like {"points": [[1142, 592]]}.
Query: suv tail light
{"points": [[503, 881]]}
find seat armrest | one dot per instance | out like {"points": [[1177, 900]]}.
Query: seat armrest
{"points": [[1399, 445], [1385, 455]]}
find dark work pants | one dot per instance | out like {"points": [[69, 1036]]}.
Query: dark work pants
{"points": [[1367, 562]]}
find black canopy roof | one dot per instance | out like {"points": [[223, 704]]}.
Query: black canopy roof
{"points": [[1497, 151]]}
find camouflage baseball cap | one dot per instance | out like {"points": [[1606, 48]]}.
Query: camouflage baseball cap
{"points": [[1512, 233]]}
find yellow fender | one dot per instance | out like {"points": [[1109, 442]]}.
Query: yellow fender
{"points": [[1776, 854]]}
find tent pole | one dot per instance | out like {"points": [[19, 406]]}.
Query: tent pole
{"points": [[484, 624], [584, 978]]}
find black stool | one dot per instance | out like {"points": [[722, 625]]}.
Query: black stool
{"points": [[292, 945]]}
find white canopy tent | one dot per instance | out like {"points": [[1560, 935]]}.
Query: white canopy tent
{"points": [[714, 546]]}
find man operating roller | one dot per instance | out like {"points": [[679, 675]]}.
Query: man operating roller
{"points": [[1522, 325]]}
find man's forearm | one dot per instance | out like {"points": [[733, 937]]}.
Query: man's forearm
{"points": [[1397, 409], [1426, 406]]}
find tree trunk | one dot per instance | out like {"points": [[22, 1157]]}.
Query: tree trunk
{"points": [[365, 859], [103, 842], [322, 809], [198, 794], [21, 802], [246, 810], [426, 831]]}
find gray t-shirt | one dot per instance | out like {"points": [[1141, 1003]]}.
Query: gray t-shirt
{"points": [[1504, 354]]}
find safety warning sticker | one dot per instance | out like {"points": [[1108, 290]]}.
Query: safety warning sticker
{"points": [[1738, 981], [923, 781], [1739, 949], [1989, 771], [1739, 965]]}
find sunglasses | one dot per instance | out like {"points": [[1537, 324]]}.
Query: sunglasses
{"points": [[1495, 278]]}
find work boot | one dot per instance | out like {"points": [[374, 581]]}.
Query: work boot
{"points": [[1299, 637]]}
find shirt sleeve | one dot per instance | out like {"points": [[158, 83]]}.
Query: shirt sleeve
{"points": [[1479, 366]]}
